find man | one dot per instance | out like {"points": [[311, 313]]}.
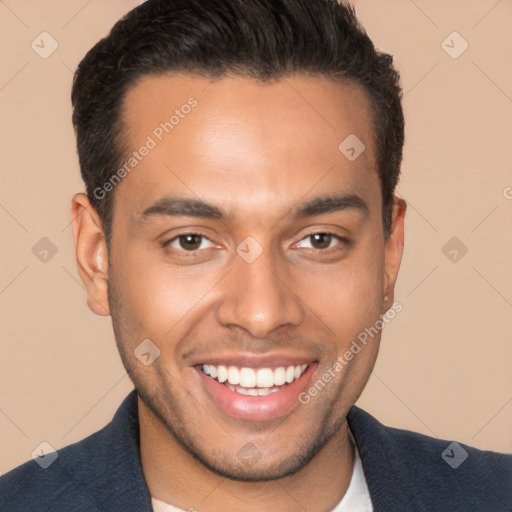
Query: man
{"points": [[240, 227]]}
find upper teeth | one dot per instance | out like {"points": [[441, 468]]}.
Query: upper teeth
{"points": [[251, 378]]}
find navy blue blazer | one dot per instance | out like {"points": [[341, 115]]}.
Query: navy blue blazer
{"points": [[405, 471]]}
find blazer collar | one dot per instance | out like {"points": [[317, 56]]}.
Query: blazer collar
{"points": [[120, 483], [382, 465]]}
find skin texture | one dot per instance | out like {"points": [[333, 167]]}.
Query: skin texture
{"points": [[256, 151]]}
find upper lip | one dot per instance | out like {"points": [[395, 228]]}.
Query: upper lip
{"points": [[248, 360]]}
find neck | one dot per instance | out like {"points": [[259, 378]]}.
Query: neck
{"points": [[176, 477]]}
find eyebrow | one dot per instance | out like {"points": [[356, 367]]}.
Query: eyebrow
{"points": [[330, 204], [170, 206]]}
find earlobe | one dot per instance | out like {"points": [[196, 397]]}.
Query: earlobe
{"points": [[394, 247], [91, 253]]}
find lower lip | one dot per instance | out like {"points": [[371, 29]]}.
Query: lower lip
{"points": [[257, 408]]}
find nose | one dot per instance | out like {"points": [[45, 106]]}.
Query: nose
{"points": [[258, 297]]}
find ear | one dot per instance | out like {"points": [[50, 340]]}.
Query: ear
{"points": [[393, 250], [91, 253]]}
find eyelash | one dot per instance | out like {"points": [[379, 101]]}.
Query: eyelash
{"points": [[341, 239]]}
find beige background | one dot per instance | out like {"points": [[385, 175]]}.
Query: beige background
{"points": [[445, 363]]}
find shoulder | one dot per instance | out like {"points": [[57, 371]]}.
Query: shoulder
{"points": [[439, 472], [101, 472], [32, 486]]}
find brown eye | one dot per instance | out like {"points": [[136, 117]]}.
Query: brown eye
{"points": [[190, 242], [321, 240]]}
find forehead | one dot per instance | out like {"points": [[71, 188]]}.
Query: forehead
{"points": [[243, 142]]}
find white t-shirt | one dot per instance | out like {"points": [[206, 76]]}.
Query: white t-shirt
{"points": [[356, 499]]}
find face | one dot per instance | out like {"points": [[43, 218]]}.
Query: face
{"points": [[249, 249]]}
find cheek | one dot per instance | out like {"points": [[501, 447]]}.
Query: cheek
{"points": [[160, 299], [347, 296]]}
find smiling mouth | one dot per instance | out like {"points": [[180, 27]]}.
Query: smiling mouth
{"points": [[254, 381]]}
